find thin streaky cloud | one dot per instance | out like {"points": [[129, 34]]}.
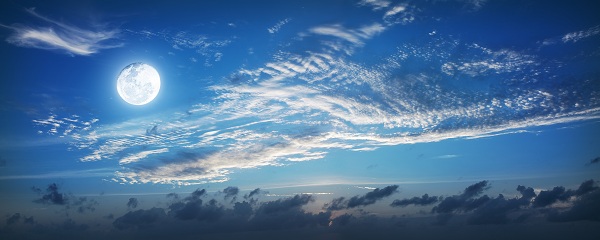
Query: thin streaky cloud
{"points": [[375, 4], [62, 36], [141, 155], [278, 26], [100, 172], [447, 156], [579, 35], [355, 36], [395, 10]]}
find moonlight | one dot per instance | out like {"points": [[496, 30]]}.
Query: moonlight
{"points": [[138, 83]]}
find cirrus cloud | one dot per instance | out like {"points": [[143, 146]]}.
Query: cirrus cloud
{"points": [[55, 35]]}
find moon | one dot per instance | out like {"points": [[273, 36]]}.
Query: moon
{"points": [[138, 83]]}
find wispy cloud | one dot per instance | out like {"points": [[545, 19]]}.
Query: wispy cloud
{"points": [[302, 105], [100, 172], [572, 37], [375, 4], [304, 120], [141, 155], [579, 35], [55, 35], [355, 36], [278, 26], [200, 46], [447, 156], [395, 10]]}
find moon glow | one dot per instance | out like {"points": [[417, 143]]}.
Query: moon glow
{"points": [[138, 83]]}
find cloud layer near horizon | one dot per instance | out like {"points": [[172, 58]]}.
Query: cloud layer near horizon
{"points": [[213, 214]]}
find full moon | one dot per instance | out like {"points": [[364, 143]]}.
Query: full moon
{"points": [[138, 83]]}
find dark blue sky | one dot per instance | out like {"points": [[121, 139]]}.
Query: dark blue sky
{"points": [[301, 118]]}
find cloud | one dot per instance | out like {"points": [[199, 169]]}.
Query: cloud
{"points": [[580, 35], [375, 4], [476, 4], [65, 126], [62, 36], [585, 187], [141, 155], [212, 217], [395, 10], [584, 208], [132, 203], [197, 217], [357, 201], [463, 202], [486, 210], [196, 194], [173, 196], [64, 174], [548, 197], [13, 219], [286, 214], [475, 189], [495, 211], [52, 196], [447, 156], [320, 100], [82, 204], [354, 36], [152, 131], [422, 201], [278, 26], [139, 219], [193, 207], [198, 44], [231, 192], [29, 220], [254, 193], [282, 205], [595, 160]]}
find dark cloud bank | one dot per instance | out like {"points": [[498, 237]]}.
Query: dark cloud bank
{"points": [[555, 213]]}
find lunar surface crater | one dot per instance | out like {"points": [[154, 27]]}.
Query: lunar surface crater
{"points": [[138, 83]]}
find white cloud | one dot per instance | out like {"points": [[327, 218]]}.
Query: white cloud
{"points": [[375, 4], [278, 26], [395, 10], [476, 4], [490, 62], [218, 56], [339, 32], [364, 149], [447, 156], [62, 36], [355, 37], [579, 35], [100, 172], [301, 106], [141, 155]]}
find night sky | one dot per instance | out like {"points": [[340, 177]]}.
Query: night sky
{"points": [[332, 119]]}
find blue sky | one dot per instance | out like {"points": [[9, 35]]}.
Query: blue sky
{"points": [[329, 110]]}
